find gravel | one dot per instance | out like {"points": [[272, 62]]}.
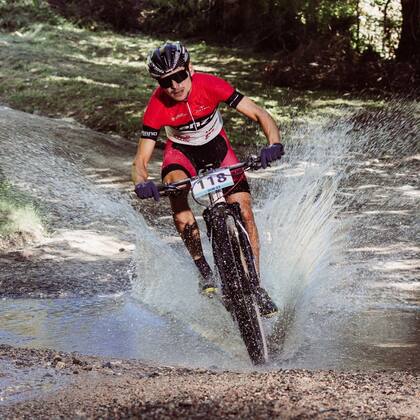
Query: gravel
{"points": [[92, 387]]}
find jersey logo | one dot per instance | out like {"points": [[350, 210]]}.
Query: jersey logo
{"points": [[179, 116], [196, 132], [197, 124], [202, 108]]}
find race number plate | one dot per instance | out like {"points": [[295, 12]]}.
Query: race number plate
{"points": [[211, 182]]}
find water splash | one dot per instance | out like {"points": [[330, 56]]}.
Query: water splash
{"points": [[312, 219], [58, 177], [334, 218]]}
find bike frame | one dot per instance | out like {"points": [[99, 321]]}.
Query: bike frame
{"points": [[216, 213]]}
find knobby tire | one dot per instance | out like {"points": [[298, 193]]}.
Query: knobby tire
{"points": [[243, 307]]}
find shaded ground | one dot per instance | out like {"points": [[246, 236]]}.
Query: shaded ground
{"points": [[97, 388]]}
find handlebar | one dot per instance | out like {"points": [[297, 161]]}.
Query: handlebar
{"points": [[251, 162]]}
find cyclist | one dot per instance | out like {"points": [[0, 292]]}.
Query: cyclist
{"points": [[186, 104]]}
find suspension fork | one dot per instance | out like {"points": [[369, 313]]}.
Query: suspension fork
{"points": [[215, 218], [246, 244]]}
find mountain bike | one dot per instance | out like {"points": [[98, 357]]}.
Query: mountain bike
{"points": [[231, 249]]}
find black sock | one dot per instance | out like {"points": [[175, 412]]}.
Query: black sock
{"points": [[203, 267]]}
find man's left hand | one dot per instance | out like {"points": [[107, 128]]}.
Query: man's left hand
{"points": [[270, 153]]}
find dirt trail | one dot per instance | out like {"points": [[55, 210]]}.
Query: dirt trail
{"points": [[74, 257]]}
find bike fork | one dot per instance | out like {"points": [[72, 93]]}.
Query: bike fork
{"points": [[246, 245], [215, 218]]}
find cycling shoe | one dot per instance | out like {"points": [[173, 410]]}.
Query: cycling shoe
{"points": [[208, 286]]}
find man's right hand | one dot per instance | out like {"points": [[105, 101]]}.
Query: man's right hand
{"points": [[147, 189]]}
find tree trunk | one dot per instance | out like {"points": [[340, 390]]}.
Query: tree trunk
{"points": [[358, 26], [387, 33], [409, 45]]}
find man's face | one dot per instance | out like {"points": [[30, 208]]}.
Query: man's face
{"points": [[177, 90]]}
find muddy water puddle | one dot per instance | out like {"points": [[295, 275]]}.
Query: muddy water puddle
{"points": [[384, 337], [113, 326]]}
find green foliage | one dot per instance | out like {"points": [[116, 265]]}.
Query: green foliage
{"points": [[266, 24], [378, 26], [18, 213], [279, 25]]}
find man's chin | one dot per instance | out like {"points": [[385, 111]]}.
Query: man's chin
{"points": [[180, 97]]}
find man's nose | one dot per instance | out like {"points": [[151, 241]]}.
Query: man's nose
{"points": [[175, 85]]}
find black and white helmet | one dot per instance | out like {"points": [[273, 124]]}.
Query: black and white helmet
{"points": [[167, 58]]}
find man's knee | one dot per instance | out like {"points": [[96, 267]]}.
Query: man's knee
{"points": [[184, 218], [247, 214], [245, 202]]}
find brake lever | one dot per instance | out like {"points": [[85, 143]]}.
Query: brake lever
{"points": [[254, 162], [170, 190]]}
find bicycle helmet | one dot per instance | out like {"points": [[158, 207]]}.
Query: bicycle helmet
{"points": [[167, 58]]}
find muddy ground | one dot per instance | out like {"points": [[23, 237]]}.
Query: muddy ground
{"points": [[91, 387]]}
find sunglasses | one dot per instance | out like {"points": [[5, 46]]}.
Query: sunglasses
{"points": [[178, 77]]}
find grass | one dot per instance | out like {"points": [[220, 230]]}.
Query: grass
{"points": [[51, 67], [18, 213]]}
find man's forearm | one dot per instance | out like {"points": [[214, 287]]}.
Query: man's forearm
{"points": [[138, 172], [144, 153], [270, 128], [250, 109]]}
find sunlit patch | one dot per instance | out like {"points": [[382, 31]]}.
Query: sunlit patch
{"points": [[398, 265], [206, 69], [410, 191], [390, 212], [396, 345], [81, 79], [87, 245], [410, 287], [388, 249]]}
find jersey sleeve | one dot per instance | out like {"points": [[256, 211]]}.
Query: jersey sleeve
{"points": [[223, 91], [151, 121]]}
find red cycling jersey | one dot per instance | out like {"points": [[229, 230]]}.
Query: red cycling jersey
{"points": [[194, 128], [194, 121]]}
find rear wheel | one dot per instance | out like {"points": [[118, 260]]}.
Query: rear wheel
{"points": [[234, 266]]}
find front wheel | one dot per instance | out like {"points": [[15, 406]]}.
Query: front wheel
{"points": [[233, 267]]}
